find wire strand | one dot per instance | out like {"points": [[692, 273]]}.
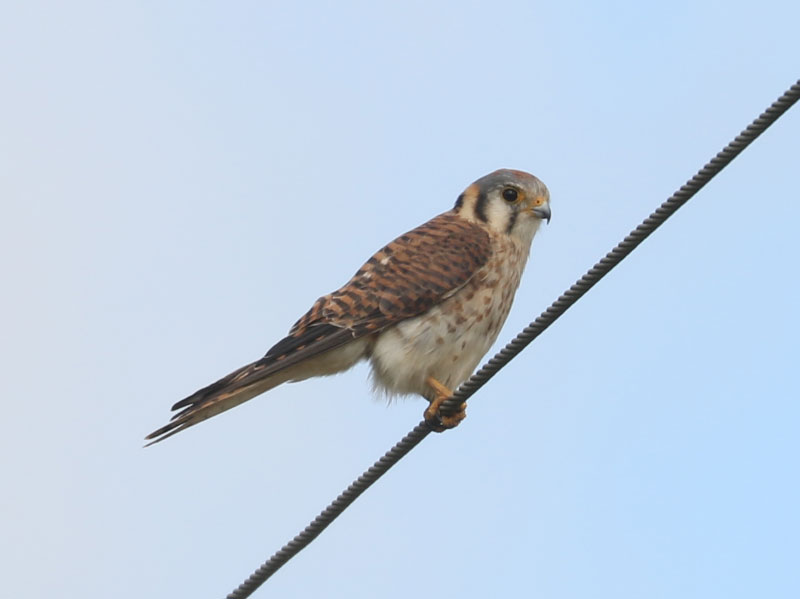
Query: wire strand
{"points": [[522, 340]]}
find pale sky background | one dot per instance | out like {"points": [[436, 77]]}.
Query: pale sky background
{"points": [[181, 180]]}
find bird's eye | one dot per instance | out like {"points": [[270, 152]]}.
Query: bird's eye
{"points": [[510, 195]]}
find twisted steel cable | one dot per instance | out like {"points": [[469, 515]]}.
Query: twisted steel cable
{"points": [[521, 341]]}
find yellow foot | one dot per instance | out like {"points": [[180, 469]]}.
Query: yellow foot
{"points": [[437, 421]]}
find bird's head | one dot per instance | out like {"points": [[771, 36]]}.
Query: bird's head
{"points": [[506, 201]]}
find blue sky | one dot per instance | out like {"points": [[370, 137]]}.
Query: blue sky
{"points": [[180, 181]]}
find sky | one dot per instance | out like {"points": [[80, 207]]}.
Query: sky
{"points": [[181, 180]]}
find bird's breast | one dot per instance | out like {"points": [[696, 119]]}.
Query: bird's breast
{"points": [[448, 341]]}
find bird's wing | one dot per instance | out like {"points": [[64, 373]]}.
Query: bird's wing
{"points": [[406, 278]]}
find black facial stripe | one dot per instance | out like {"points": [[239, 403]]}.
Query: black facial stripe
{"points": [[512, 221], [459, 202], [480, 207]]}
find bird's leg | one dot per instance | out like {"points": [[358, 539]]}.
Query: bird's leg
{"points": [[433, 417]]}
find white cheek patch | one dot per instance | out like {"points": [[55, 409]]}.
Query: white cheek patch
{"points": [[498, 214]]}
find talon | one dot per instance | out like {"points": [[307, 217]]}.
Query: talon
{"points": [[435, 419]]}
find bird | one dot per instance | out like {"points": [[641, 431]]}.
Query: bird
{"points": [[423, 310]]}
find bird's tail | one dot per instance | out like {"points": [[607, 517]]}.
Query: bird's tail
{"points": [[228, 392]]}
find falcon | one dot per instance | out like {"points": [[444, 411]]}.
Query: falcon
{"points": [[423, 310]]}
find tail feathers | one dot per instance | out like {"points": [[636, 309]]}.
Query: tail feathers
{"points": [[228, 392], [287, 360]]}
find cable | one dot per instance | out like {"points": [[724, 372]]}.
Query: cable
{"points": [[521, 341]]}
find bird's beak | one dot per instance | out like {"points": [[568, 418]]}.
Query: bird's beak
{"points": [[543, 211]]}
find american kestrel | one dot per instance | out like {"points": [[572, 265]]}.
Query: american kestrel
{"points": [[423, 310]]}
